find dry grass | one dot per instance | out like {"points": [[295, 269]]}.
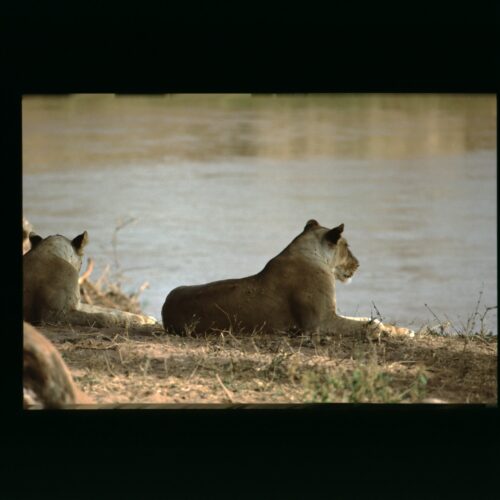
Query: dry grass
{"points": [[115, 366], [104, 292], [442, 363]]}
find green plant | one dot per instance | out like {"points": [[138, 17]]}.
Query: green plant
{"points": [[365, 384]]}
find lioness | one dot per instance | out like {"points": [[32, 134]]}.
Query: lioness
{"points": [[46, 378], [295, 290], [50, 286]]}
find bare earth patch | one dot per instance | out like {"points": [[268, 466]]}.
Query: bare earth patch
{"points": [[115, 366]]}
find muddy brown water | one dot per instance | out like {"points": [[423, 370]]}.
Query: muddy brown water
{"points": [[212, 186]]}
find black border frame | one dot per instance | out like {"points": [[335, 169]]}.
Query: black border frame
{"points": [[46, 53]]}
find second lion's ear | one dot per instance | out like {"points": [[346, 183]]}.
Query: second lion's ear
{"points": [[34, 239], [310, 224], [334, 234], [80, 241]]}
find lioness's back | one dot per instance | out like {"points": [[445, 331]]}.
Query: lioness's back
{"points": [[51, 291], [221, 305], [49, 284]]}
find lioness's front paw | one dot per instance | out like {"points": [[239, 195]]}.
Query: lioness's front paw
{"points": [[408, 331], [398, 331], [141, 320], [376, 329]]}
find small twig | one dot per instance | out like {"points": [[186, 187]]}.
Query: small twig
{"points": [[433, 313], [377, 311], [90, 334], [464, 328], [102, 297], [88, 272], [226, 390], [102, 277], [124, 223], [300, 345], [146, 367], [451, 323], [227, 316], [485, 345], [194, 371], [257, 350], [114, 240], [289, 346], [486, 311], [141, 289], [238, 342], [471, 322], [95, 348], [86, 297], [108, 364]]}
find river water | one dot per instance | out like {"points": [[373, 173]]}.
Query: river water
{"points": [[208, 187]]}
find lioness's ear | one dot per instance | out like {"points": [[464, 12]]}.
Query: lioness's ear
{"points": [[34, 239], [80, 241], [334, 234], [310, 224]]}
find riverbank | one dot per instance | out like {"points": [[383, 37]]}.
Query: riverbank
{"points": [[115, 367]]}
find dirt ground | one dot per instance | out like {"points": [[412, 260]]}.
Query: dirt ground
{"points": [[115, 366], [149, 366]]}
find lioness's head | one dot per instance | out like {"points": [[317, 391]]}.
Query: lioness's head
{"points": [[330, 246], [69, 250]]}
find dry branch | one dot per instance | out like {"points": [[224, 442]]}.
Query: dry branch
{"points": [[226, 390], [88, 272]]}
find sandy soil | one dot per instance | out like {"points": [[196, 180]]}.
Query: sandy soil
{"points": [[115, 366]]}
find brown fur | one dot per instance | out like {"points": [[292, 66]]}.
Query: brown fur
{"points": [[27, 228], [46, 378], [51, 292], [295, 290]]}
